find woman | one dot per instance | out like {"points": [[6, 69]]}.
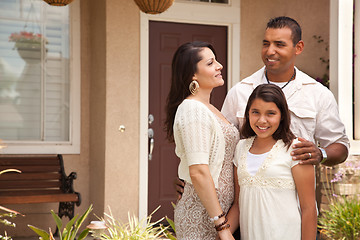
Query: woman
{"points": [[269, 183], [205, 143]]}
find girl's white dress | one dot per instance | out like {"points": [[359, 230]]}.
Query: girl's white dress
{"points": [[268, 200]]}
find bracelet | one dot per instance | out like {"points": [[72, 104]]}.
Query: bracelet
{"points": [[217, 217], [221, 224], [223, 227], [324, 155]]}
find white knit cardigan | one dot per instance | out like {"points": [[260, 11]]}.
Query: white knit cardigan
{"points": [[199, 139]]}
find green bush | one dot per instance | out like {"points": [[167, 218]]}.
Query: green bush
{"points": [[342, 220]]}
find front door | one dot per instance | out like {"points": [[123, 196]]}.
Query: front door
{"points": [[164, 39]]}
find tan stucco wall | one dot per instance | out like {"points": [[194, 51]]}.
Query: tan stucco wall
{"points": [[114, 100], [122, 107], [313, 17], [95, 38]]}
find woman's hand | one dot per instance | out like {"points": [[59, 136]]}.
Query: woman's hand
{"points": [[225, 235], [179, 187]]}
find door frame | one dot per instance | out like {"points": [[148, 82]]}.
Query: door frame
{"points": [[182, 12]]}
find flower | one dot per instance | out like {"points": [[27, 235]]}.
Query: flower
{"points": [[27, 40], [26, 37], [348, 173]]}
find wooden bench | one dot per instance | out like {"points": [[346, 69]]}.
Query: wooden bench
{"points": [[42, 180]]}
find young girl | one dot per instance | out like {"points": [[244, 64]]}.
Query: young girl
{"points": [[268, 180], [205, 143]]}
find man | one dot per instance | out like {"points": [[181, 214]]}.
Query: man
{"points": [[314, 112]]}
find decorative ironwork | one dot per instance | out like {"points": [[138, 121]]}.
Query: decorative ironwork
{"points": [[67, 209]]}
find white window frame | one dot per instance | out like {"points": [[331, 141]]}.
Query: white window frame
{"points": [[182, 12], [341, 55], [73, 145]]}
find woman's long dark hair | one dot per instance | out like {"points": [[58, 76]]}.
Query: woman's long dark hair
{"points": [[184, 66], [270, 93]]}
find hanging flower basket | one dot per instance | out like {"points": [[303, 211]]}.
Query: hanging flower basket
{"points": [[153, 6], [28, 45], [58, 2]]}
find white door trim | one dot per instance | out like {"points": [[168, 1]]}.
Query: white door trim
{"points": [[182, 12]]}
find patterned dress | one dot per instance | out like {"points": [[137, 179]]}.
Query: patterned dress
{"points": [[192, 221]]}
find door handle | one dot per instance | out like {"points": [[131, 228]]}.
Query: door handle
{"points": [[152, 142]]}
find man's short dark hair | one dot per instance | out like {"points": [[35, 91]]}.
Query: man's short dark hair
{"points": [[281, 22]]}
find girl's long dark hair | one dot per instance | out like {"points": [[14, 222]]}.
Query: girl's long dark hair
{"points": [[270, 93], [184, 66]]}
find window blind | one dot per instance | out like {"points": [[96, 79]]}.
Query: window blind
{"points": [[34, 71]]}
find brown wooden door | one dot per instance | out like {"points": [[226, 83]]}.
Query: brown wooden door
{"points": [[164, 39]]}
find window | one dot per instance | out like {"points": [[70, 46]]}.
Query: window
{"points": [[37, 86]]}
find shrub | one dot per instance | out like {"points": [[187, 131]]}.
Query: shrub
{"points": [[342, 220]]}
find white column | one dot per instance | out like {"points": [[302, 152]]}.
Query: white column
{"points": [[357, 72], [341, 55]]}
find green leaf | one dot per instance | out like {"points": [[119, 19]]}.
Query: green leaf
{"points": [[83, 234], [57, 219], [71, 223], [70, 229], [82, 218], [170, 236], [171, 222], [44, 235], [79, 223]]}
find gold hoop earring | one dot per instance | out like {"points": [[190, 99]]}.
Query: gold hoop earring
{"points": [[194, 87]]}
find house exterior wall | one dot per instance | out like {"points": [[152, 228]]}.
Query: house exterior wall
{"points": [[113, 100], [122, 107]]}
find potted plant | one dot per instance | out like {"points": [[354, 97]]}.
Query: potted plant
{"points": [[28, 44], [134, 229], [69, 231]]}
